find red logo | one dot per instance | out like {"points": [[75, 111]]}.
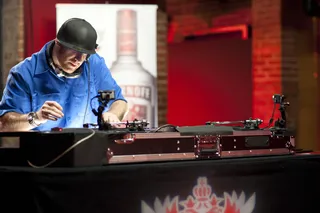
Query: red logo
{"points": [[203, 200]]}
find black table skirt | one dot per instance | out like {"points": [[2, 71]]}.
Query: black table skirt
{"points": [[284, 184]]}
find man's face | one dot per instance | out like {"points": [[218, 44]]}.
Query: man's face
{"points": [[69, 59]]}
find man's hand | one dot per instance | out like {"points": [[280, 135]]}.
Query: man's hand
{"points": [[109, 117], [50, 110]]}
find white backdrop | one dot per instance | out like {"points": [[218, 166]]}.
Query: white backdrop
{"points": [[103, 18]]}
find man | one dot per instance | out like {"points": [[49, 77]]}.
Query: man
{"points": [[54, 86]]}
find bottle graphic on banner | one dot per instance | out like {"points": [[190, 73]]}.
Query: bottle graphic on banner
{"points": [[137, 84]]}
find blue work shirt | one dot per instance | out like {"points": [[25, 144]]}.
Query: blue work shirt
{"points": [[32, 82]]}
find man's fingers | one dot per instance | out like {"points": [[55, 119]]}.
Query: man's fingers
{"points": [[51, 117], [55, 104], [48, 116], [51, 112], [56, 111]]}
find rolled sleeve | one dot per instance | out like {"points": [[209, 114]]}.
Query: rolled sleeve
{"points": [[15, 96]]}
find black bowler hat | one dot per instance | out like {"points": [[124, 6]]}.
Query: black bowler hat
{"points": [[79, 35]]}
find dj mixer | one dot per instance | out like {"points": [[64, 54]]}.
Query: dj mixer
{"points": [[132, 141]]}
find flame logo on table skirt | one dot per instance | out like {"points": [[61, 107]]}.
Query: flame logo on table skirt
{"points": [[203, 200]]}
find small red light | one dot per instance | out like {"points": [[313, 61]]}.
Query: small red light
{"points": [[56, 129]]}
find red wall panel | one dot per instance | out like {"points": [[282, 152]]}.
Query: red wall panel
{"points": [[209, 79]]}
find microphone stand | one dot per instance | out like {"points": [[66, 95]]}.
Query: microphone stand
{"points": [[103, 98], [100, 121], [281, 123]]}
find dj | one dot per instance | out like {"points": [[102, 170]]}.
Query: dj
{"points": [[54, 86]]}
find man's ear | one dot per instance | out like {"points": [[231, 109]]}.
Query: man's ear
{"points": [[56, 42]]}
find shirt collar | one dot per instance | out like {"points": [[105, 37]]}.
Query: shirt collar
{"points": [[42, 65]]}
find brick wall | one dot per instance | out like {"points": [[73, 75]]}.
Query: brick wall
{"points": [[299, 70], [12, 33], [275, 56], [12, 46], [188, 17], [266, 55], [162, 66], [284, 62]]}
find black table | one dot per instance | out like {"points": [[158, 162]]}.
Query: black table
{"points": [[258, 184]]}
